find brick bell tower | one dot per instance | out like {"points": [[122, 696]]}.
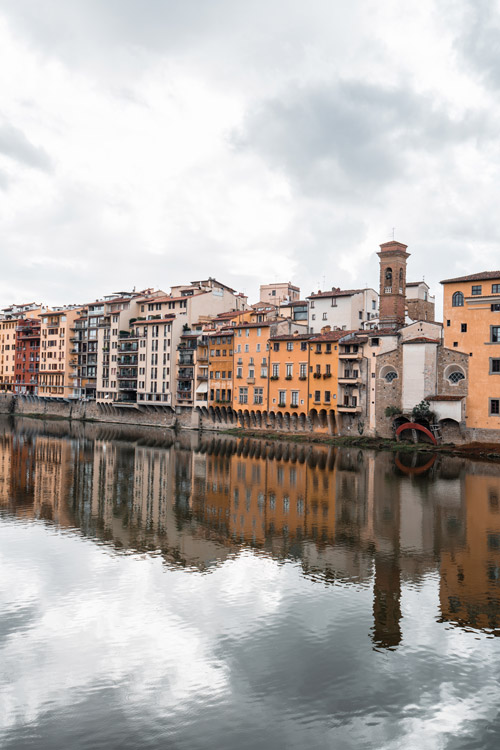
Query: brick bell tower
{"points": [[393, 257]]}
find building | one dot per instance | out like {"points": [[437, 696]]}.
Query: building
{"points": [[288, 375], [279, 293], [342, 309], [420, 305], [27, 356], [220, 383], [471, 313], [192, 369], [58, 375]]}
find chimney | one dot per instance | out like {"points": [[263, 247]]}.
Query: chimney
{"points": [[326, 329]]}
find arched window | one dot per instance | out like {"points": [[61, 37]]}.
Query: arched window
{"points": [[388, 281], [457, 300], [454, 374], [388, 373]]}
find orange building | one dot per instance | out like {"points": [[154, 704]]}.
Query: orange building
{"points": [[220, 384], [289, 373], [8, 352], [472, 325], [58, 375]]}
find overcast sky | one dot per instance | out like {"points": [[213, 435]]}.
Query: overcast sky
{"points": [[152, 142]]}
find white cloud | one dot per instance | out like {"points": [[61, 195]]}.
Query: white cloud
{"points": [[118, 157]]}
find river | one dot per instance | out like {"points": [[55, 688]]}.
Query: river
{"points": [[163, 590]]}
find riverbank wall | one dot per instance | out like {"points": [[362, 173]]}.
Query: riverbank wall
{"points": [[158, 415]]}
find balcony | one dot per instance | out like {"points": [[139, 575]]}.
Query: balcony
{"points": [[251, 381], [185, 373], [349, 407], [184, 396], [186, 359], [127, 385], [129, 360], [349, 378], [202, 376], [125, 373], [351, 355], [131, 346]]}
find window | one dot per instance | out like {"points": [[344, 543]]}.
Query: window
{"points": [[360, 314], [456, 377], [258, 395], [494, 407], [494, 365], [247, 348], [476, 289], [303, 370], [317, 397], [257, 348], [390, 376], [289, 346], [327, 397], [243, 395], [463, 327], [303, 346], [276, 346], [495, 334], [281, 398], [325, 317], [276, 371], [448, 323], [289, 370], [457, 300], [239, 372], [495, 288], [295, 398], [313, 317], [495, 307]]}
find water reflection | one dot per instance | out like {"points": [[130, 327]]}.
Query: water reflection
{"points": [[345, 515]]}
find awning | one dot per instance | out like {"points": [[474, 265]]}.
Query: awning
{"points": [[202, 388]]}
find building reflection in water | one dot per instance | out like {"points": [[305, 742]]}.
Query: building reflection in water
{"points": [[345, 515]]}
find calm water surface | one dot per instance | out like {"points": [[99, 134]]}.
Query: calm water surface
{"points": [[184, 592]]}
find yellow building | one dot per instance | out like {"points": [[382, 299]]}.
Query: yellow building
{"points": [[220, 385], [58, 376], [250, 366], [472, 325], [323, 379]]}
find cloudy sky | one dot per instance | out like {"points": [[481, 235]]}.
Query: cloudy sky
{"points": [[151, 142]]}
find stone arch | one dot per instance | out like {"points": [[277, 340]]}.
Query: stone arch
{"points": [[272, 420], [302, 421], [322, 418], [332, 424], [313, 416], [279, 421]]}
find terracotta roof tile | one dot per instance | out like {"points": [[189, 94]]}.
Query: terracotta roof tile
{"points": [[483, 276]]}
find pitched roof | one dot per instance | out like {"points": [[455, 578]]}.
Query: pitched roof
{"points": [[330, 336], [292, 337], [336, 293], [421, 340], [483, 276]]}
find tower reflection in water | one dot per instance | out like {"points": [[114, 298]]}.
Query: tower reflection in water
{"points": [[345, 515]]}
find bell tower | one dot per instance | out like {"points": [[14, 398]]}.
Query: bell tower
{"points": [[392, 300]]}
